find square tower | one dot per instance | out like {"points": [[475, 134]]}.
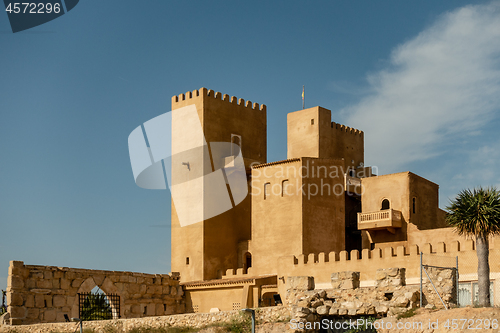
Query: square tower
{"points": [[311, 133], [201, 251]]}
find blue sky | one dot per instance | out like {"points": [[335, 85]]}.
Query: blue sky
{"points": [[421, 79]]}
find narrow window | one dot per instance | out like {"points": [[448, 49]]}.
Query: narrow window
{"points": [[187, 260], [248, 260], [284, 184], [414, 205], [164, 307], [236, 139], [385, 204], [312, 121], [145, 309], [266, 190]]}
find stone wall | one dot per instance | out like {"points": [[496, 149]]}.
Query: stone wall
{"points": [[42, 294], [196, 320], [445, 282], [389, 297]]}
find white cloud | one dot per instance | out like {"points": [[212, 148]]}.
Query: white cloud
{"points": [[440, 88]]}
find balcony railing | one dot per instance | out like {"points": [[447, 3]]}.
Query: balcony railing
{"points": [[389, 219]]}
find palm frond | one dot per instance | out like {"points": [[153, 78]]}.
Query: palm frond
{"points": [[475, 212]]}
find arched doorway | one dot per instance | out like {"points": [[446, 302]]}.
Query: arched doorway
{"points": [[107, 293], [96, 305]]}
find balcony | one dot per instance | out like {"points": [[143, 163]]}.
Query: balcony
{"points": [[388, 219]]}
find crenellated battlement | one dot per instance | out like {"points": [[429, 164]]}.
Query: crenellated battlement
{"points": [[204, 92], [346, 129], [322, 265], [240, 272], [386, 253]]}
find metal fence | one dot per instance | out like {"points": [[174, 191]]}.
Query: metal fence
{"points": [[97, 306], [465, 267], [432, 261]]}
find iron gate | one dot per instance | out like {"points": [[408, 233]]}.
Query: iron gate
{"points": [[97, 306]]}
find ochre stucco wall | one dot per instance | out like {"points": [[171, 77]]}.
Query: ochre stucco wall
{"points": [[212, 245], [308, 217], [311, 133]]}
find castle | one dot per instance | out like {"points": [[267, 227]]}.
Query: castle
{"points": [[316, 217], [318, 208]]}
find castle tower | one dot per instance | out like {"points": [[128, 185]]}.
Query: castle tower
{"points": [[311, 133], [201, 251]]}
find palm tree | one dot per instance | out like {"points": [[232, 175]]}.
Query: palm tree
{"points": [[477, 213]]}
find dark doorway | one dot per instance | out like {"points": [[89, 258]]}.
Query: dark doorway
{"points": [[352, 234], [248, 260]]}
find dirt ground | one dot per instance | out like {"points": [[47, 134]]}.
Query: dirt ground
{"points": [[454, 320], [471, 320]]}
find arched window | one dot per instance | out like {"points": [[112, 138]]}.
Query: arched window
{"points": [[385, 204]]}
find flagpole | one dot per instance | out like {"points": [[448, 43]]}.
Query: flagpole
{"points": [[303, 97]]}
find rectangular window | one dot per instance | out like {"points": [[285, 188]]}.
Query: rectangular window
{"points": [[267, 187], [284, 184], [414, 205], [187, 260], [312, 121], [468, 293]]}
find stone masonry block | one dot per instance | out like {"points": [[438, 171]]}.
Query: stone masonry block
{"points": [[150, 310], [98, 279], [14, 299], [76, 283], [48, 300], [345, 280], [299, 282], [159, 310], [30, 283], [393, 276], [15, 282], [58, 274], [65, 284], [44, 284], [17, 311], [133, 288], [39, 301], [135, 309], [49, 316], [59, 301], [30, 301], [70, 300], [33, 313]]}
